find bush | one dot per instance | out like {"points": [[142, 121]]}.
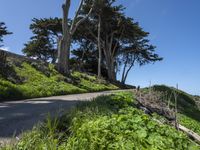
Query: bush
{"points": [[129, 129], [189, 123], [9, 90], [35, 83], [107, 122]]}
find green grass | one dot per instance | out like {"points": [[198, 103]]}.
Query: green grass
{"points": [[91, 83], [184, 99], [30, 81], [190, 123], [186, 102], [189, 112], [108, 122]]}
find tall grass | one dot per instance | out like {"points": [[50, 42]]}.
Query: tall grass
{"points": [[107, 122]]}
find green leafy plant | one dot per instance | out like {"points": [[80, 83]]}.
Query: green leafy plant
{"points": [[107, 122], [36, 81]]}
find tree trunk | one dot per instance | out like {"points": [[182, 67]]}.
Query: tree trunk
{"points": [[110, 66], [65, 41], [123, 73], [64, 53], [109, 58], [99, 47], [127, 72], [126, 75], [111, 70]]}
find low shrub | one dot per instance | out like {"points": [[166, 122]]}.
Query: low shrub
{"points": [[189, 123], [107, 122], [35, 83]]}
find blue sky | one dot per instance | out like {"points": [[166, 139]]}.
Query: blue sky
{"points": [[173, 26]]}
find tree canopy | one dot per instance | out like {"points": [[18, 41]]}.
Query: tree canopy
{"points": [[123, 41], [3, 32], [107, 38], [43, 43]]}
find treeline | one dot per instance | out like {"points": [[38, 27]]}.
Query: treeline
{"points": [[100, 39]]}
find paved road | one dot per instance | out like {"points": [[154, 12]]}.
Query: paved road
{"points": [[19, 116]]}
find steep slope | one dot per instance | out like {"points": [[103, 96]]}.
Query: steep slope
{"points": [[108, 122], [21, 78], [188, 108]]}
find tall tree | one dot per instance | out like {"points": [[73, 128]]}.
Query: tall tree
{"points": [[99, 5], [68, 31], [107, 39], [137, 54], [3, 32], [99, 47], [97, 33], [118, 33], [43, 44]]}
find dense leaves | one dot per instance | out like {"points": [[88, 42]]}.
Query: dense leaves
{"points": [[107, 122], [122, 41], [40, 82], [3, 32], [129, 129], [190, 123], [43, 44]]}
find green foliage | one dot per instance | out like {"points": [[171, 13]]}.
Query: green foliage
{"points": [[130, 44], [186, 103], [37, 83], [91, 83], [189, 123], [129, 129], [107, 122], [187, 107], [3, 31], [43, 45], [188, 99], [9, 90]]}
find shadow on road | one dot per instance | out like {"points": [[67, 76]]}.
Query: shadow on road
{"points": [[17, 117]]}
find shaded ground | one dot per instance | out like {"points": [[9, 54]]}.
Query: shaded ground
{"points": [[16, 117]]}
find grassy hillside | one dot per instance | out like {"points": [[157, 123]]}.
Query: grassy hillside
{"points": [[108, 122], [20, 80], [188, 106]]}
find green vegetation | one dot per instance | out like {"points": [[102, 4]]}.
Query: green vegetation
{"points": [[29, 80], [107, 122], [184, 99], [189, 112], [186, 103], [3, 32], [91, 83], [190, 123]]}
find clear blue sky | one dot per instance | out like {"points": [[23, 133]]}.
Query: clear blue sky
{"points": [[174, 26]]}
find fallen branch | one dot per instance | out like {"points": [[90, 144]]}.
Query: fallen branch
{"points": [[149, 110], [190, 133]]}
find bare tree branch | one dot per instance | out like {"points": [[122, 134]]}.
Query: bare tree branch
{"points": [[111, 41], [76, 14], [95, 37], [74, 26], [65, 7], [114, 49]]}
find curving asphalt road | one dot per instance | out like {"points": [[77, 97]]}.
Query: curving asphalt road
{"points": [[19, 116]]}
